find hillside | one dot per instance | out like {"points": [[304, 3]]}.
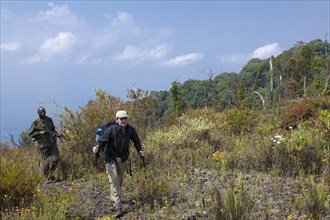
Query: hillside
{"points": [[235, 164]]}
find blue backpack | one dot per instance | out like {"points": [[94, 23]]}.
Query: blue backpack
{"points": [[99, 133]]}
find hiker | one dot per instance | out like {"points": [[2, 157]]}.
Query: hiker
{"points": [[43, 131], [115, 143]]}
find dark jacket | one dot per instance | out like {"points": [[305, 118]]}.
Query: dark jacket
{"points": [[115, 141], [44, 140]]}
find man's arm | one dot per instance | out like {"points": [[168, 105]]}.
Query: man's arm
{"points": [[33, 132], [45, 130], [137, 143], [100, 144]]}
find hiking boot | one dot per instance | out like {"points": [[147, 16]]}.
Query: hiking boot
{"points": [[50, 179], [119, 212]]}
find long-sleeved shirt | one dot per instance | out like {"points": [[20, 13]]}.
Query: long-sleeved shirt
{"points": [[44, 140], [115, 142]]}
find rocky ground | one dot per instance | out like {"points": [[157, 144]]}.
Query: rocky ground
{"points": [[270, 197]]}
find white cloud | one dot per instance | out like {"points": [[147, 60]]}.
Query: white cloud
{"points": [[122, 19], [63, 41], [34, 59], [238, 59], [11, 46], [267, 51], [121, 28], [136, 54], [59, 44], [130, 53], [184, 59], [58, 14], [159, 52], [88, 58]]}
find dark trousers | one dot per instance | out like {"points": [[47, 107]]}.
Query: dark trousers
{"points": [[50, 158]]}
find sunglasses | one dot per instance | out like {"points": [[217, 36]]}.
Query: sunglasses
{"points": [[123, 118]]}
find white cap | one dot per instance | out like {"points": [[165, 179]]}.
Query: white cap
{"points": [[121, 114]]}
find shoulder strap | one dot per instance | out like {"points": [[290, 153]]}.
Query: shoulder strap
{"points": [[108, 124], [130, 131]]}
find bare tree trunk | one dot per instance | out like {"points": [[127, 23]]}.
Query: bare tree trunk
{"points": [[271, 75], [279, 94], [271, 83], [326, 84], [279, 89], [262, 99]]}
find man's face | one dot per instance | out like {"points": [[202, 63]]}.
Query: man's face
{"points": [[41, 113], [122, 121]]}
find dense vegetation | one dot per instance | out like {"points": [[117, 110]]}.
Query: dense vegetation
{"points": [[252, 145]]}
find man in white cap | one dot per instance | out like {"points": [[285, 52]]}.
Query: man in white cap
{"points": [[115, 140]]}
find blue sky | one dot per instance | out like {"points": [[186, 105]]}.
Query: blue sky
{"points": [[56, 53]]}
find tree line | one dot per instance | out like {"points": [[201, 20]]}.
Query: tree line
{"points": [[303, 70]]}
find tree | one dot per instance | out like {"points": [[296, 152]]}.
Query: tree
{"points": [[79, 127], [327, 64], [143, 109], [226, 84], [304, 64], [176, 97]]}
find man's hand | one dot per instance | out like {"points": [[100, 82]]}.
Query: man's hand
{"points": [[96, 149], [54, 133], [141, 153], [42, 132]]}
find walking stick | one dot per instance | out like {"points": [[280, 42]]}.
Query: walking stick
{"points": [[130, 166], [144, 167], [95, 173]]}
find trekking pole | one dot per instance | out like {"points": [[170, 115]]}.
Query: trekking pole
{"points": [[144, 167], [95, 173], [130, 166]]}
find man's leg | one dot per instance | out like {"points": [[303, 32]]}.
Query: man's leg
{"points": [[50, 159], [121, 170], [44, 153], [112, 172], [115, 175], [54, 159]]}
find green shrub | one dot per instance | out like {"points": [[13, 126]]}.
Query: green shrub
{"points": [[299, 139], [19, 174], [299, 152], [237, 121], [315, 197], [299, 110], [188, 133]]}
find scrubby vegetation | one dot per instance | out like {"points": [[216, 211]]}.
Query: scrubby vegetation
{"points": [[235, 164], [230, 160]]}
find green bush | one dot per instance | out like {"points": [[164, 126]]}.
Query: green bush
{"points": [[19, 174], [315, 197], [187, 133], [299, 110], [238, 121]]}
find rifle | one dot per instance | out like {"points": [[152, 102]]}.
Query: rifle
{"points": [[51, 133]]}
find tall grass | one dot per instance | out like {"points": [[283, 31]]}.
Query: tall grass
{"points": [[19, 175]]}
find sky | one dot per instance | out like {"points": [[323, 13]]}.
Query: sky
{"points": [[57, 53]]}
